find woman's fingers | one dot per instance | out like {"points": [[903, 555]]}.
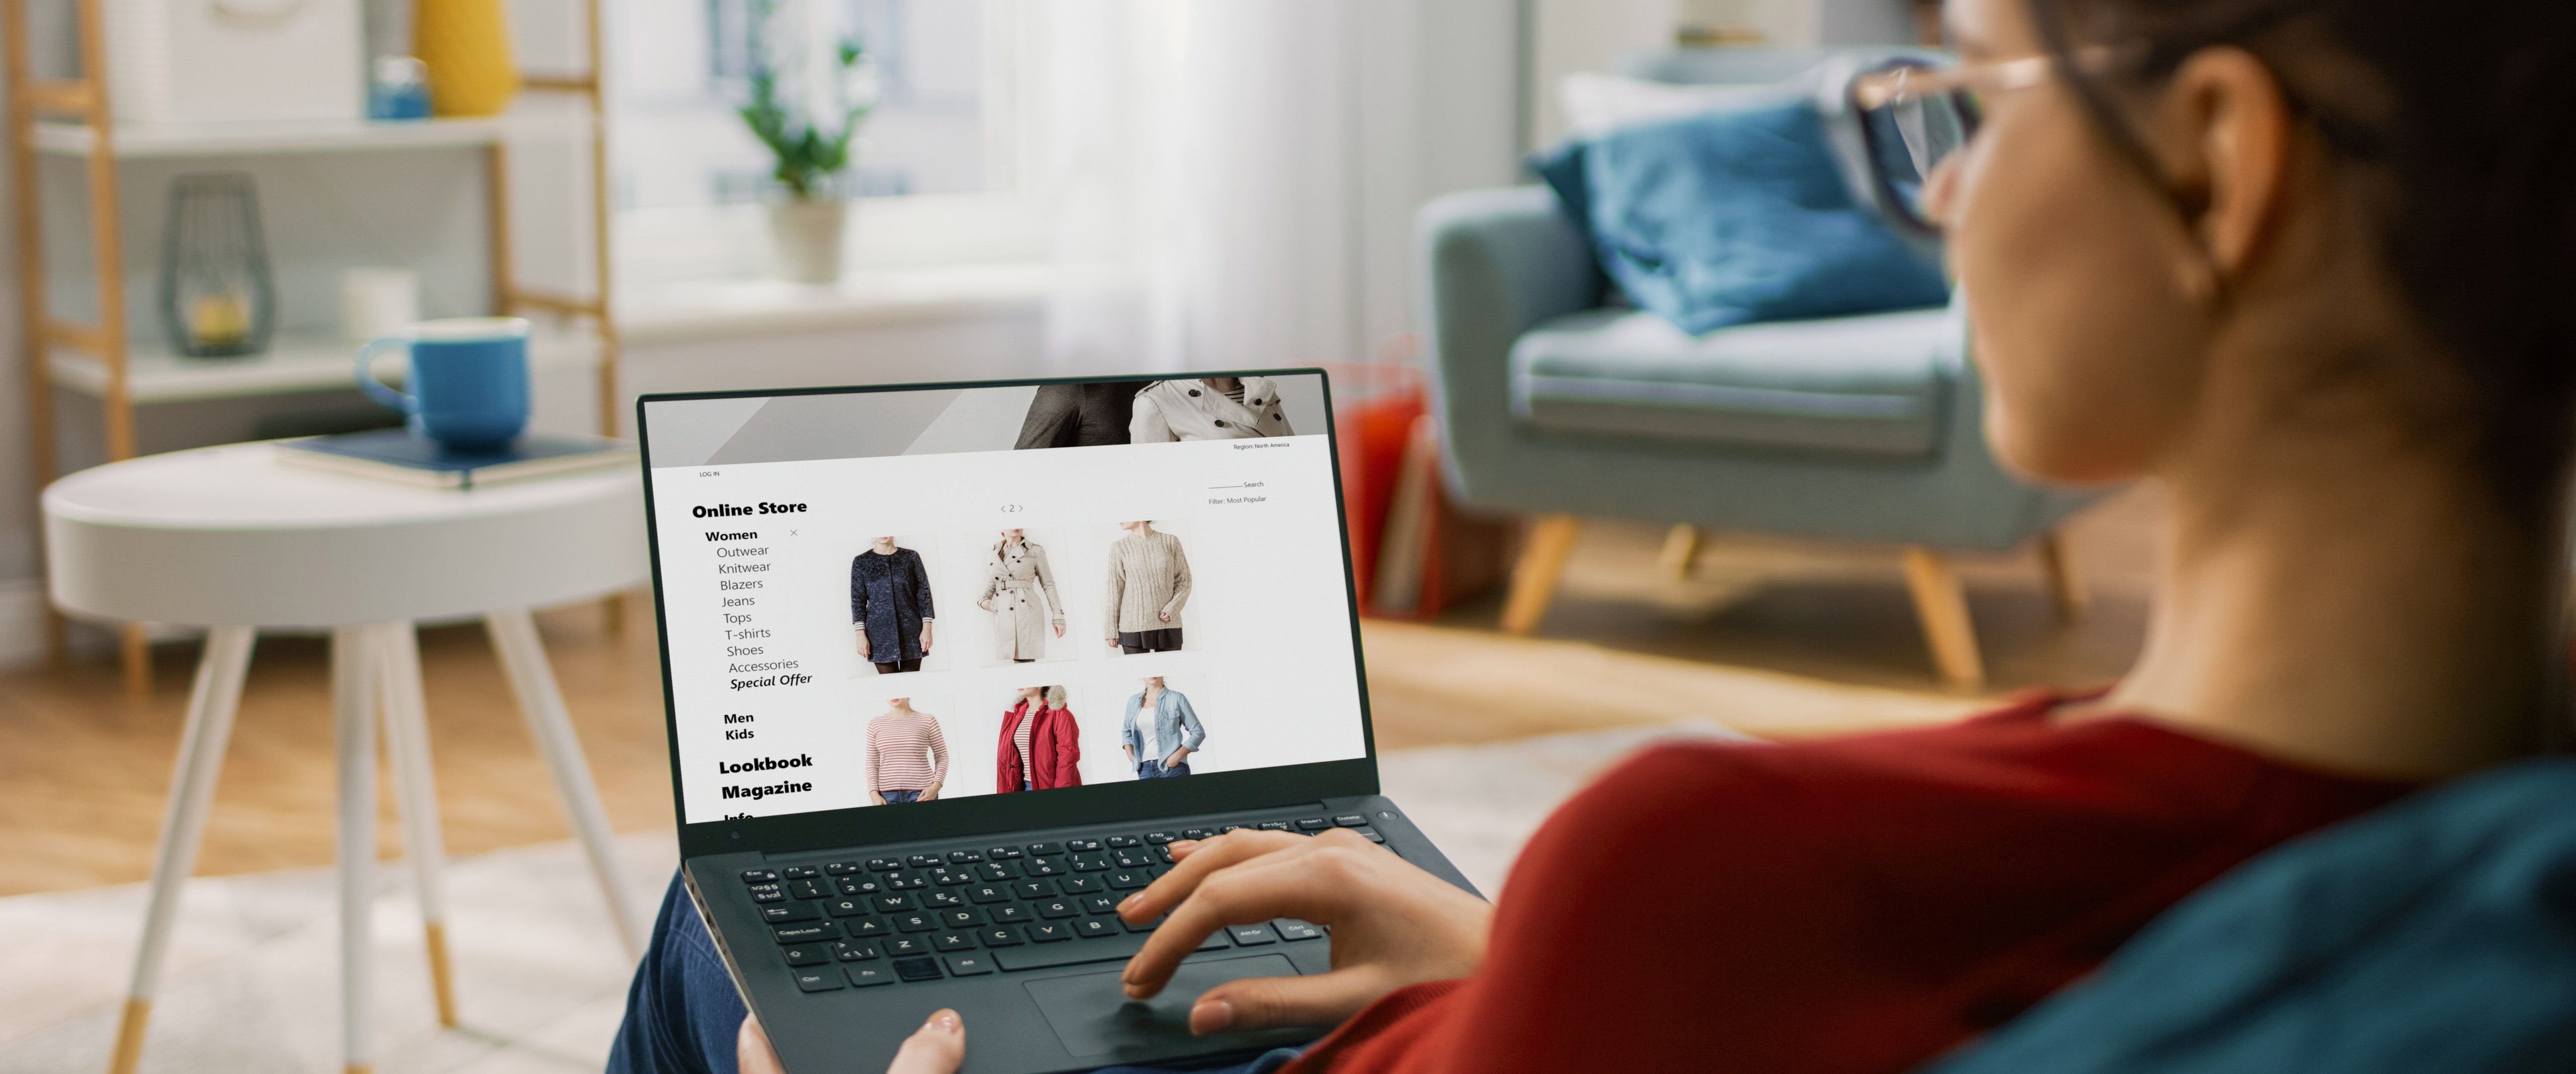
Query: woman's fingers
{"points": [[1277, 885], [1192, 864], [1266, 1002], [936, 1048], [751, 1051]]}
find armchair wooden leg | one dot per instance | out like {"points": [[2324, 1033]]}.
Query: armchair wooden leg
{"points": [[1542, 564], [1681, 548], [1942, 604], [2065, 585]]}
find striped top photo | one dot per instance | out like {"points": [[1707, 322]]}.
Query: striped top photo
{"points": [[906, 752]]}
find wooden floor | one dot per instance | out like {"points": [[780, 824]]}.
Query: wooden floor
{"points": [[84, 769]]}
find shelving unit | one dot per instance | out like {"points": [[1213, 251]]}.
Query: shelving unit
{"points": [[71, 118]]}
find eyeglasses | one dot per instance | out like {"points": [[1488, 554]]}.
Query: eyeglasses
{"points": [[1914, 116]]}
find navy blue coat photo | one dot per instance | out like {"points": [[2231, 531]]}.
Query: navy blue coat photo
{"points": [[890, 596]]}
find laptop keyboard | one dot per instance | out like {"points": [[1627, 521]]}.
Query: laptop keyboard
{"points": [[973, 911]]}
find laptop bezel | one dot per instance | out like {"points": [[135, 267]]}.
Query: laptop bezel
{"points": [[1207, 792]]}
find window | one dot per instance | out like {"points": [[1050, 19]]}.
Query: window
{"points": [[683, 164]]}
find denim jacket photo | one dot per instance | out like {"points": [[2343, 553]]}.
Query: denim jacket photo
{"points": [[1175, 725]]}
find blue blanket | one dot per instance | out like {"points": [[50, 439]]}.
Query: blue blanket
{"points": [[1736, 215], [2438, 934]]}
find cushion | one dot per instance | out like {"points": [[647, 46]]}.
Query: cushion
{"points": [[1870, 385], [1597, 104], [1739, 215]]}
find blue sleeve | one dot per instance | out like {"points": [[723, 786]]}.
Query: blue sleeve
{"points": [[858, 594], [921, 586], [1191, 733]]}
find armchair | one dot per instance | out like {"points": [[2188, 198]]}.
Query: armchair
{"points": [[1864, 428]]}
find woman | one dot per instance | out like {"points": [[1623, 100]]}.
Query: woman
{"points": [[907, 756], [1041, 744], [1014, 581], [1149, 583], [890, 607], [2306, 271], [1216, 408], [1160, 732]]}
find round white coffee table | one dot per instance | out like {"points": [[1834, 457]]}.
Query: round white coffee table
{"points": [[229, 538]]}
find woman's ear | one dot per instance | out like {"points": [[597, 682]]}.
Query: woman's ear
{"points": [[2230, 136]]}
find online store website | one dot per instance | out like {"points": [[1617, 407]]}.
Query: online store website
{"points": [[895, 598]]}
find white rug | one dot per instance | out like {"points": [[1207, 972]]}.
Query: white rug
{"points": [[253, 978]]}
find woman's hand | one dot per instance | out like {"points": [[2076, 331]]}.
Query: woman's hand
{"points": [[1178, 755], [1164, 616], [925, 637], [1393, 924], [986, 604], [1113, 641], [936, 1048], [929, 794], [1059, 630], [863, 644]]}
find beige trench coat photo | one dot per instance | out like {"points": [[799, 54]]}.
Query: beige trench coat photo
{"points": [[1190, 410], [1014, 579]]}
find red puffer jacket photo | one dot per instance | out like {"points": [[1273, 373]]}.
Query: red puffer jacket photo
{"points": [[1055, 743]]}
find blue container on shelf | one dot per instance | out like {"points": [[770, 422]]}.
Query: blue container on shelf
{"points": [[398, 89]]}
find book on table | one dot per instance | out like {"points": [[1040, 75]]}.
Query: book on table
{"points": [[398, 456]]}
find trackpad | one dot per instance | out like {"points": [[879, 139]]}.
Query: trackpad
{"points": [[1093, 1017]]}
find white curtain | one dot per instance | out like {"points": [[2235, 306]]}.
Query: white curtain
{"points": [[1200, 159]]}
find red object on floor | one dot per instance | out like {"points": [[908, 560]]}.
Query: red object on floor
{"points": [[1380, 411], [1853, 906]]}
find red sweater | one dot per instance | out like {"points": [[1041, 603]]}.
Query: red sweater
{"points": [[1846, 906]]}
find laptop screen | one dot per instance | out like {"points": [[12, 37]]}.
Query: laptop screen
{"points": [[900, 598]]}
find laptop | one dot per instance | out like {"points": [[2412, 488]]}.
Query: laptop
{"points": [[948, 667]]}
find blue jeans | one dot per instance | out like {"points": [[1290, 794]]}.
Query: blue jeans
{"points": [[682, 1012], [1155, 770], [900, 797]]}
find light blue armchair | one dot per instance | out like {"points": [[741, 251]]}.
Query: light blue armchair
{"points": [[1864, 428]]}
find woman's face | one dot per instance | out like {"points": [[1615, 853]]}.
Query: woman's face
{"points": [[2072, 264], [1156, 682], [1013, 536], [885, 542], [1032, 691]]}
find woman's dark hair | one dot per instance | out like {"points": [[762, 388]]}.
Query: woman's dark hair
{"points": [[2466, 110]]}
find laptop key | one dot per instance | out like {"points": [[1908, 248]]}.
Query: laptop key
{"points": [[1274, 825], [1050, 932], [985, 894], [1117, 842], [953, 941], [917, 922], [809, 889], [1042, 867], [1372, 836], [887, 904], [1163, 854], [917, 969], [1006, 915], [865, 928], [1089, 863], [1079, 885], [1146, 927], [968, 965], [941, 900], [1313, 824], [1000, 936], [964, 857], [768, 893], [863, 976], [840, 868], [796, 934], [759, 876], [883, 865], [1291, 929], [1109, 950], [848, 951], [1159, 838], [822, 980], [1046, 848], [1100, 904], [907, 945], [1079, 846], [959, 919], [844, 907], [922, 861], [789, 911], [800, 872], [1002, 853], [1128, 879], [1198, 833], [1056, 908], [806, 954], [1095, 928], [862, 887], [1351, 820], [1230, 828], [995, 872], [1252, 935]]}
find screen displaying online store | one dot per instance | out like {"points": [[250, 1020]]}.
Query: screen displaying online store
{"points": [[901, 597]]}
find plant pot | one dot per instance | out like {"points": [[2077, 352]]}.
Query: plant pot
{"points": [[806, 234]]}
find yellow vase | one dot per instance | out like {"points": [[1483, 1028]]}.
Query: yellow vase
{"points": [[466, 46]]}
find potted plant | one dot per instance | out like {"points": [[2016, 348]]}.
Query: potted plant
{"points": [[809, 126]]}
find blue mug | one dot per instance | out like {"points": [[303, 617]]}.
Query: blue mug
{"points": [[469, 380]]}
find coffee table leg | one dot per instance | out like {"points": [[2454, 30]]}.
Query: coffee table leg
{"points": [[523, 660], [416, 792], [211, 705], [355, 661]]}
